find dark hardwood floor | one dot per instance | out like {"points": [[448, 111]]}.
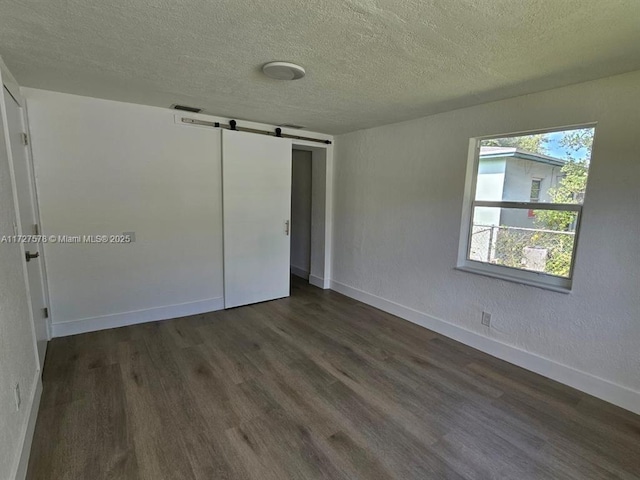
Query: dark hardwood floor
{"points": [[315, 386]]}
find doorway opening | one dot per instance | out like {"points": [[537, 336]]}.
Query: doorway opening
{"points": [[310, 213], [301, 175]]}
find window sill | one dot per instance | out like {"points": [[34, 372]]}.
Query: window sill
{"points": [[514, 279]]}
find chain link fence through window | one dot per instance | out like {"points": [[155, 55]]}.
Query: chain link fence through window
{"points": [[533, 249]]}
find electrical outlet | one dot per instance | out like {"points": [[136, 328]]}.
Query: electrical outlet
{"points": [[17, 394], [486, 319]]}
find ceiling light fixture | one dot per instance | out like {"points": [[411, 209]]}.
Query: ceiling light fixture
{"points": [[283, 70]]}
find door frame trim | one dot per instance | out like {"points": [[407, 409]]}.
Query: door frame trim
{"points": [[10, 83], [321, 210]]}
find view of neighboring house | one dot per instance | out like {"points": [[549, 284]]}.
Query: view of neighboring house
{"points": [[510, 236], [511, 174]]}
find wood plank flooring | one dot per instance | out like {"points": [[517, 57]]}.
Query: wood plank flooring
{"points": [[315, 386]]}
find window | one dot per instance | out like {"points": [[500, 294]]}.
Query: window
{"points": [[534, 197], [515, 225]]}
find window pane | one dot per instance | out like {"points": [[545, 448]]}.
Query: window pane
{"points": [[536, 185], [555, 164], [507, 237]]}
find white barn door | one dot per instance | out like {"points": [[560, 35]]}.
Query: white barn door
{"points": [[256, 192]]}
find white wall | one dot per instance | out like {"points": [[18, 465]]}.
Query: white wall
{"points": [[105, 167], [398, 200], [18, 363], [301, 213]]}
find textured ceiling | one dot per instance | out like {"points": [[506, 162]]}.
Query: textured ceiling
{"points": [[368, 62]]}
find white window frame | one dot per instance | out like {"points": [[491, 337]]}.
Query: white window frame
{"points": [[527, 277]]}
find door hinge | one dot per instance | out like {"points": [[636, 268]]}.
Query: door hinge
{"points": [[25, 139], [36, 229], [46, 312]]}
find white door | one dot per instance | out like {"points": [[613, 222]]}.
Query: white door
{"points": [[25, 190], [256, 186]]}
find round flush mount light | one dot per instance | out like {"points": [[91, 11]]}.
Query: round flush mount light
{"points": [[283, 70]]}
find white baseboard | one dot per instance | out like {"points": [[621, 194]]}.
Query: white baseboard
{"points": [[319, 282], [585, 382], [299, 272], [103, 322], [20, 472]]}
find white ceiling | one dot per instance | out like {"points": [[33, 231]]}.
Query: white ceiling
{"points": [[368, 62]]}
